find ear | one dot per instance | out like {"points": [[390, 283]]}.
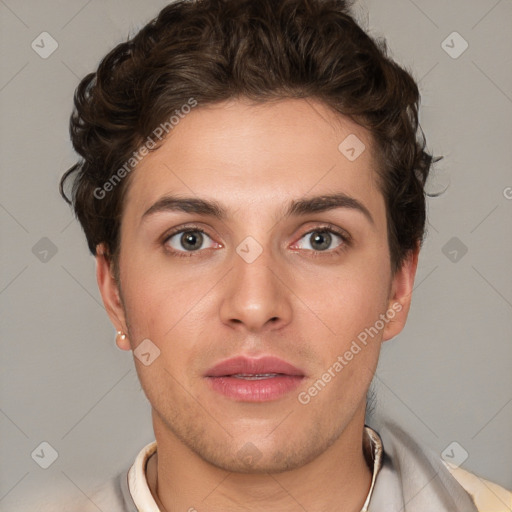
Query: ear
{"points": [[401, 294], [110, 294]]}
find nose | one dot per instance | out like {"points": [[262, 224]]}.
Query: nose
{"points": [[257, 296]]}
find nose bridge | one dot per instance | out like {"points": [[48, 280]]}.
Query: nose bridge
{"points": [[256, 294]]}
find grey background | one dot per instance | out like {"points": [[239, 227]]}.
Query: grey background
{"points": [[447, 377]]}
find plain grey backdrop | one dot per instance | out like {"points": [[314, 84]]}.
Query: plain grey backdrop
{"points": [[447, 377]]}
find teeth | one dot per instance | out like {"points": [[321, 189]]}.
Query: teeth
{"points": [[257, 376]]}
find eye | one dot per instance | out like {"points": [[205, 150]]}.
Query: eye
{"points": [[322, 239], [187, 240]]}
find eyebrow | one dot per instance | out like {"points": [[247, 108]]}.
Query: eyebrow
{"points": [[297, 207]]}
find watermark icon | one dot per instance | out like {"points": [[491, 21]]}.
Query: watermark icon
{"points": [[146, 352], [356, 346], [249, 454], [507, 192], [249, 249], [454, 454], [158, 134], [45, 455], [454, 45], [44, 45], [44, 250], [352, 147], [454, 249]]}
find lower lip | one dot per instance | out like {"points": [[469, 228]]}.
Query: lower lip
{"points": [[263, 390]]}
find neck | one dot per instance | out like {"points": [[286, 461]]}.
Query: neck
{"points": [[338, 480]]}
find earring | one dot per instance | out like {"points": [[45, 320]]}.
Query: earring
{"points": [[121, 334]]}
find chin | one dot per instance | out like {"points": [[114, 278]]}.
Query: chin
{"points": [[262, 456]]}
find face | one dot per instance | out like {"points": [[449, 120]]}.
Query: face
{"points": [[268, 304]]}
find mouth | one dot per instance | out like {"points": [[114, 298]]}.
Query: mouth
{"points": [[247, 379], [260, 376]]}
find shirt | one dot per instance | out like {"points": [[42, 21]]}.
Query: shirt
{"points": [[406, 477]]}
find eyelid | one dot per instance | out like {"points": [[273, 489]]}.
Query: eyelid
{"points": [[330, 228], [184, 229], [323, 227], [326, 226]]}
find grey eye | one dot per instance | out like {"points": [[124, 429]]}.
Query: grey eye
{"points": [[189, 240], [320, 239]]}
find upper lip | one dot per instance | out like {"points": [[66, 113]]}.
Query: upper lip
{"points": [[253, 366]]}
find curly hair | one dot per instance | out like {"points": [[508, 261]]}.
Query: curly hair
{"points": [[216, 50]]}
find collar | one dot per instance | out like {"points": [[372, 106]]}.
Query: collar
{"points": [[144, 501]]}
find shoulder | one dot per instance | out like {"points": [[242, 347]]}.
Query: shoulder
{"points": [[110, 495], [488, 496], [423, 478]]}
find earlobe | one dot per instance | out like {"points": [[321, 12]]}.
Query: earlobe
{"points": [[111, 298], [401, 295]]}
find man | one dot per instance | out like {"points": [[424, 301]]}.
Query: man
{"points": [[252, 187]]}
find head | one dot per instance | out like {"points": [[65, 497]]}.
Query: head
{"points": [[291, 139]]}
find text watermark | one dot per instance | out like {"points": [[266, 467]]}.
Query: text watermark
{"points": [[158, 134], [305, 397]]}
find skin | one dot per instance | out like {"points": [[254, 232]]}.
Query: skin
{"points": [[295, 301]]}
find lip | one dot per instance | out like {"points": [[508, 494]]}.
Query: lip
{"points": [[282, 378], [242, 364]]}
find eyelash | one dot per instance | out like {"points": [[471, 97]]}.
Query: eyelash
{"points": [[187, 229], [329, 228]]}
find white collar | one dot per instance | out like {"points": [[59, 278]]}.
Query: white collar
{"points": [[144, 501]]}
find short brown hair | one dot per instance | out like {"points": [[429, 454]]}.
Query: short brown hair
{"points": [[215, 50]]}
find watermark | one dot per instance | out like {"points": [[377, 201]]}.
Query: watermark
{"points": [[146, 352], [356, 346], [158, 134], [249, 249], [454, 45], [44, 45], [454, 454], [507, 192], [44, 250], [352, 147], [454, 249], [249, 454], [45, 454]]}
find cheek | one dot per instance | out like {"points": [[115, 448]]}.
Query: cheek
{"points": [[156, 296], [167, 307], [349, 350], [347, 301], [347, 306]]}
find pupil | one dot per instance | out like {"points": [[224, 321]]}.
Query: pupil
{"points": [[190, 241], [322, 235]]}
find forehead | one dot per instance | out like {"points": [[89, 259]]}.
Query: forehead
{"points": [[258, 156]]}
